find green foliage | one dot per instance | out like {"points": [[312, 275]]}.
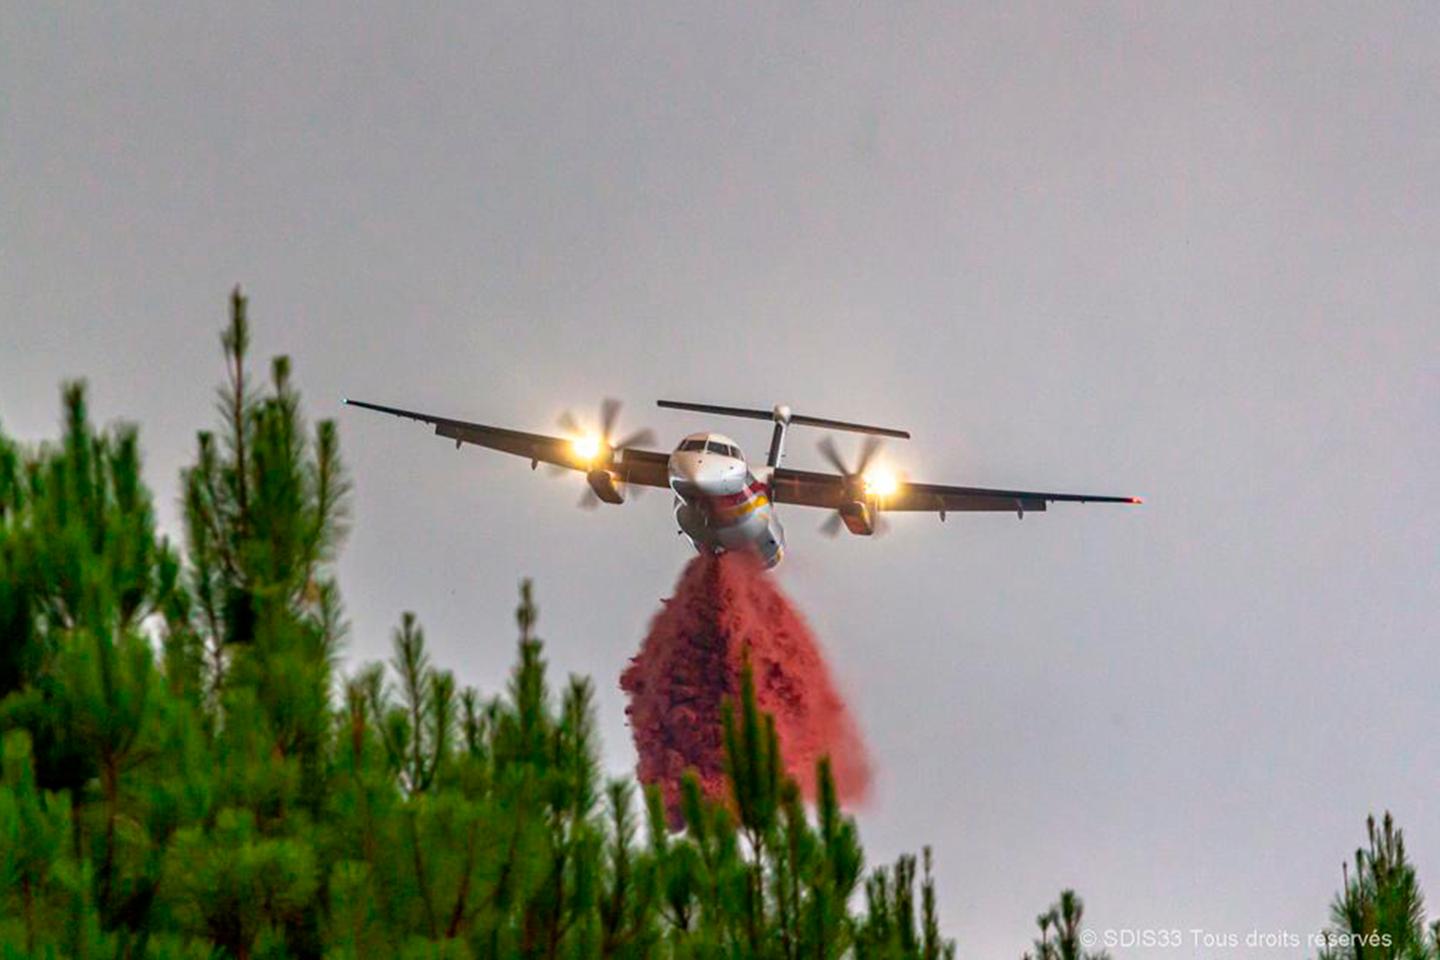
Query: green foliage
{"points": [[1060, 932], [230, 884], [889, 929], [1380, 913], [185, 776]]}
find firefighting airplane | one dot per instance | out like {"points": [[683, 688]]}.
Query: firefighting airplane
{"points": [[722, 502]]}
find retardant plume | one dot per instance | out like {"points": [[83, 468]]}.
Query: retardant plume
{"points": [[727, 611]]}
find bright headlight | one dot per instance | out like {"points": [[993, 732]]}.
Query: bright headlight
{"points": [[587, 448], [881, 483]]}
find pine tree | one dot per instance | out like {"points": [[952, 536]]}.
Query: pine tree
{"points": [[39, 877], [1060, 932], [265, 510], [1380, 912], [88, 587]]}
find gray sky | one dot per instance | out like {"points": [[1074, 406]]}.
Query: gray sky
{"points": [[1183, 250]]}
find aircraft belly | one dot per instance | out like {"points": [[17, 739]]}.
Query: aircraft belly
{"points": [[722, 524], [745, 532], [759, 532]]}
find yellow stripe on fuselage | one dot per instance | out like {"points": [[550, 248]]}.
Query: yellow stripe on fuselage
{"points": [[742, 510]]}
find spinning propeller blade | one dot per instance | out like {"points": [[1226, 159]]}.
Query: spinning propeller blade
{"points": [[602, 441], [855, 483]]}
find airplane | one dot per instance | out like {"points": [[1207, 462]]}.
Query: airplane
{"points": [[722, 502]]}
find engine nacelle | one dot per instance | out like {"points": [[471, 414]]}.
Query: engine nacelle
{"points": [[605, 487], [858, 518]]}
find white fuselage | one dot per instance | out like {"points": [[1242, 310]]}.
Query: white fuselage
{"points": [[719, 502]]}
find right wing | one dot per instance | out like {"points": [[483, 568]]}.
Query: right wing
{"points": [[644, 467], [829, 490]]}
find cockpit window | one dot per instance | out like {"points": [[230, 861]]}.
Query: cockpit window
{"points": [[717, 447], [722, 449]]}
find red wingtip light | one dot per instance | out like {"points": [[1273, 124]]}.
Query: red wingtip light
{"points": [[1137, 499]]}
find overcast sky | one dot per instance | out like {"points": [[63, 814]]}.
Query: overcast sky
{"points": [[1182, 250]]}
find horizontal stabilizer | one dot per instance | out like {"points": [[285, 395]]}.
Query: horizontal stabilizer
{"points": [[779, 414]]}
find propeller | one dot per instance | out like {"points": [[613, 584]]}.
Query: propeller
{"points": [[855, 485], [601, 444], [868, 449], [605, 439]]}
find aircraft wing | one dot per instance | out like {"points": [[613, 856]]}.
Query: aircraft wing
{"points": [[828, 490], [644, 467]]}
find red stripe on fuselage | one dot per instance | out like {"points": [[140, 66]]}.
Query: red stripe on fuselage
{"points": [[734, 499]]}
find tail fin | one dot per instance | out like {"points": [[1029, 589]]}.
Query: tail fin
{"points": [[782, 414]]}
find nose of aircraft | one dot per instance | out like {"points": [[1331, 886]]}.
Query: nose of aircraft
{"points": [[706, 474]]}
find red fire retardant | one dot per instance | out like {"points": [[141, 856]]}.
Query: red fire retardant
{"points": [[726, 610]]}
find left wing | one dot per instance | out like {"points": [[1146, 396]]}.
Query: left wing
{"points": [[831, 490], [644, 467]]}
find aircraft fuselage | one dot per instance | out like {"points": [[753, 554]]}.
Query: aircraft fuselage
{"points": [[720, 504]]}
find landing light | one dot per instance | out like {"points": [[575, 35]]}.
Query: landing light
{"points": [[881, 483], [587, 448]]}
